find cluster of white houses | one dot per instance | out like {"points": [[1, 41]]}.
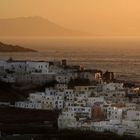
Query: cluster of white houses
{"points": [[40, 72], [98, 106], [87, 108]]}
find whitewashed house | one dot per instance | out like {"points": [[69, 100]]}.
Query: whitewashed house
{"points": [[92, 100], [28, 105], [15, 66], [37, 67], [133, 115], [80, 101], [66, 119], [65, 77], [69, 94], [58, 102], [81, 112], [115, 113], [38, 96], [61, 87], [112, 86], [130, 106]]}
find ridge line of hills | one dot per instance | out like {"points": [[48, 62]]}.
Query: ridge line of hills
{"points": [[14, 48], [34, 27]]}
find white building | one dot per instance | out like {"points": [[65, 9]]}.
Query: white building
{"points": [[59, 102], [80, 101], [84, 88], [29, 105], [130, 106], [69, 94], [15, 66], [81, 112], [66, 119], [92, 100], [112, 86], [133, 115], [111, 126], [114, 113], [61, 87], [37, 67], [64, 78], [38, 96], [50, 99]]}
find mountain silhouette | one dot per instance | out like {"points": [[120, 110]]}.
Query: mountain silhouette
{"points": [[14, 48], [34, 26]]}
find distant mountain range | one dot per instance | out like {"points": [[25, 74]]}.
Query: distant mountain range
{"points": [[34, 27], [13, 48]]}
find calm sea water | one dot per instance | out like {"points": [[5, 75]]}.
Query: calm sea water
{"points": [[120, 55]]}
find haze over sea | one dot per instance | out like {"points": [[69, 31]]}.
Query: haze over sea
{"points": [[117, 54]]}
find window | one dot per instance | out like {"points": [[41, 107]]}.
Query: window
{"points": [[137, 114]]}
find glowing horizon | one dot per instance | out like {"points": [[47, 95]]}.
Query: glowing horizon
{"points": [[105, 17]]}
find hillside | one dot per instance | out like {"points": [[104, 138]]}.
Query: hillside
{"points": [[13, 48], [7, 93], [34, 26]]}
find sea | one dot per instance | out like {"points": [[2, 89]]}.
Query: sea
{"points": [[120, 55]]}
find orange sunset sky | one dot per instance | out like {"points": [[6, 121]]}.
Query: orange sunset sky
{"points": [[106, 17]]}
